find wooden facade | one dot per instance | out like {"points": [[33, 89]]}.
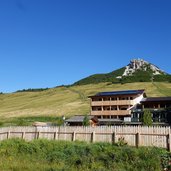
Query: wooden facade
{"points": [[160, 108], [116, 104], [129, 105]]}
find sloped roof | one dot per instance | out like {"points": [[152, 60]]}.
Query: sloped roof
{"points": [[80, 118], [77, 118], [110, 120], [123, 92], [156, 99]]}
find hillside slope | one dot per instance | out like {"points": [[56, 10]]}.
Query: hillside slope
{"points": [[137, 70], [67, 100], [99, 78]]}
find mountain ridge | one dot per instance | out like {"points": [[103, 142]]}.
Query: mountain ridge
{"points": [[138, 70]]}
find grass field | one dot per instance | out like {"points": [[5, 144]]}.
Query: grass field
{"points": [[45, 155], [66, 100]]}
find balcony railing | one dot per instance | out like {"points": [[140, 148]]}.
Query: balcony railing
{"points": [[151, 109], [111, 112], [112, 103]]}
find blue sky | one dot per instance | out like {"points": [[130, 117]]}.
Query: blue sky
{"points": [[45, 43]]}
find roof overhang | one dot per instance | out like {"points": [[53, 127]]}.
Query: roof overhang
{"points": [[119, 93], [156, 99]]}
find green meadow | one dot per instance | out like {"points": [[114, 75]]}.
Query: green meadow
{"points": [[48, 105], [45, 155]]}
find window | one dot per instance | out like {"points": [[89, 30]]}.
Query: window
{"points": [[99, 108], [106, 108], [96, 99], [96, 108], [114, 98], [122, 98], [113, 107], [106, 99], [123, 108], [106, 117], [162, 106], [121, 117]]}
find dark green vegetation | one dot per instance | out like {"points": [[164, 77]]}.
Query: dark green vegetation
{"points": [[44, 155], [86, 121], [139, 76], [143, 76], [98, 78], [147, 118], [32, 90]]}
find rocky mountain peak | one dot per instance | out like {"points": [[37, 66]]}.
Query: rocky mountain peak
{"points": [[138, 70], [140, 64]]}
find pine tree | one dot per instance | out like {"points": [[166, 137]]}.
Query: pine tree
{"points": [[86, 121]]}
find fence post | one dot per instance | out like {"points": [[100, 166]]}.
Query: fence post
{"points": [[93, 139], [113, 138], [38, 135], [8, 134], [23, 135], [169, 142], [137, 139], [59, 132], [55, 135], [73, 136]]}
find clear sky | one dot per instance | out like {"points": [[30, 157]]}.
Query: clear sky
{"points": [[45, 43]]}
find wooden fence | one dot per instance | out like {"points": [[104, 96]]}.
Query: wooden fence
{"points": [[133, 135]]}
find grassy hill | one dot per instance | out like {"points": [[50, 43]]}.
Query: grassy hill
{"points": [[136, 71], [99, 78], [138, 76], [67, 100]]}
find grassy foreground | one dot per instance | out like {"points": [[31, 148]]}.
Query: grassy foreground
{"points": [[66, 100], [44, 155]]}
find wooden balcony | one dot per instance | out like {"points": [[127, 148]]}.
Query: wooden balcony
{"points": [[112, 103], [112, 112]]}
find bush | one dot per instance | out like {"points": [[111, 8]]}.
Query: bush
{"points": [[121, 142], [147, 118], [62, 155], [86, 121]]}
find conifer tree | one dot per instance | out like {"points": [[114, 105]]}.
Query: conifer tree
{"points": [[147, 118]]}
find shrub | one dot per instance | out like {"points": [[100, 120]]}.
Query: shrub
{"points": [[86, 121], [121, 142], [62, 155], [147, 119]]}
